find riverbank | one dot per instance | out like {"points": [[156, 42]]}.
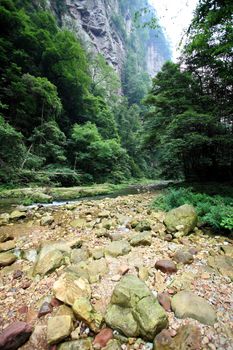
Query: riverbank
{"points": [[103, 242]]}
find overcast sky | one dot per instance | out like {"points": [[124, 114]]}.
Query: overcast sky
{"points": [[175, 16]]}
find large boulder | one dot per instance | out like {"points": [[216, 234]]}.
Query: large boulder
{"points": [[134, 310], [69, 287], [183, 219], [186, 304]]}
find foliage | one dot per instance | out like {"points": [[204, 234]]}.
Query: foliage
{"points": [[217, 211]]}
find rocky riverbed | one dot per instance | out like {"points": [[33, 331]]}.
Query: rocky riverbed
{"points": [[109, 274]]}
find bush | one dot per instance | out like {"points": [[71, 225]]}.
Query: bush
{"points": [[216, 211]]}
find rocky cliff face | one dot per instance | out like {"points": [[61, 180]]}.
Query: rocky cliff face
{"points": [[105, 27]]}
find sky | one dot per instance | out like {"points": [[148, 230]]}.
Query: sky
{"points": [[175, 16]]}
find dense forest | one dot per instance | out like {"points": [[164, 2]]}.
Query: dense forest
{"points": [[66, 116]]}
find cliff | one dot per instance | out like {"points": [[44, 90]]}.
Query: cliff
{"points": [[108, 27]]}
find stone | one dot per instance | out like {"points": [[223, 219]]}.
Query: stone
{"points": [[143, 226], [184, 257], [223, 264], [143, 273], [78, 223], [134, 311], [113, 345], [7, 258], [64, 310], [97, 253], [186, 304], [69, 287], [4, 236], [183, 282], [17, 215], [143, 238], [78, 255], [103, 337], [228, 250], [4, 220], [166, 266], [38, 339], [30, 255], [45, 309], [85, 312], [46, 220], [165, 301], [187, 337], [5, 246], [48, 263], [184, 215], [15, 335], [97, 269], [81, 344], [123, 269], [59, 328], [118, 248]]}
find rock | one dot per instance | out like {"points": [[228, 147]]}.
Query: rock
{"points": [[123, 269], [15, 335], [38, 339], [46, 220], [64, 310], [117, 248], [143, 273], [143, 238], [5, 246], [113, 345], [78, 223], [48, 263], [186, 304], [103, 337], [228, 250], [59, 328], [7, 258], [4, 220], [143, 226], [184, 215], [81, 344], [78, 255], [165, 301], [168, 237], [183, 257], [69, 287], [97, 253], [17, 215], [188, 337], [30, 255], [166, 266], [223, 264], [17, 274], [45, 309], [84, 311], [97, 269], [183, 282], [134, 310], [4, 236]]}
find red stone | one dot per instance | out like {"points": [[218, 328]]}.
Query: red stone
{"points": [[45, 309], [17, 274], [166, 266], [165, 301], [103, 337], [163, 339], [55, 302], [15, 335], [23, 309], [26, 285]]}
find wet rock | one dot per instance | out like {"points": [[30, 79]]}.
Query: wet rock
{"points": [[15, 335], [46, 308], [81, 344], [4, 236], [166, 266], [84, 311], [184, 215], [184, 257], [69, 287], [48, 263], [103, 337], [59, 328], [7, 258], [17, 215], [5, 246], [78, 255], [223, 264], [46, 220], [113, 345], [165, 301], [143, 226], [134, 310], [186, 304], [143, 238], [4, 220], [118, 248]]}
